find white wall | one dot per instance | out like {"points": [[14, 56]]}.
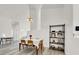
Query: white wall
{"points": [[75, 41], [56, 16], [5, 27], [14, 18], [23, 26], [33, 14], [50, 17], [75, 17], [68, 17]]}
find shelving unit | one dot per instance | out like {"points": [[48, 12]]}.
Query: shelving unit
{"points": [[57, 37]]}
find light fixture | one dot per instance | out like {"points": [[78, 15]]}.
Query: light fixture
{"points": [[30, 22], [29, 19]]}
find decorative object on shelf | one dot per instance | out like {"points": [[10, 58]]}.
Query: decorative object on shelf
{"points": [[53, 47], [53, 40], [60, 32], [53, 34], [57, 37]]}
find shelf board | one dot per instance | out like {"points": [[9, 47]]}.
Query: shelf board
{"points": [[61, 49], [58, 32], [57, 37], [57, 25], [56, 43]]}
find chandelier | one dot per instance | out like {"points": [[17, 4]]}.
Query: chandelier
{"points": [[29, 19]]}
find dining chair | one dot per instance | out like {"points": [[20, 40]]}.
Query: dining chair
{"points": [[30, 43], [41, 47], [23, 42]]}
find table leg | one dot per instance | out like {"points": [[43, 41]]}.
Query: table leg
{"points": [[19, 46], [36, 50], [23, 46], [0, 42]]}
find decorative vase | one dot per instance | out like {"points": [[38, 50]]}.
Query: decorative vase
{"points": [[30, 36]]}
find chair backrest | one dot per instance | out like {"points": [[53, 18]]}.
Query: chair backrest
{"points": [[23, 41], [30, 42]]}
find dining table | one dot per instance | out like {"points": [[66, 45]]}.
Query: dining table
{"points": [[35, 44], [5, 39]]}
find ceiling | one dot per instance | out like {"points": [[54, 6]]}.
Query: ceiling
{"points": [[52, 6], [48, 6]]}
